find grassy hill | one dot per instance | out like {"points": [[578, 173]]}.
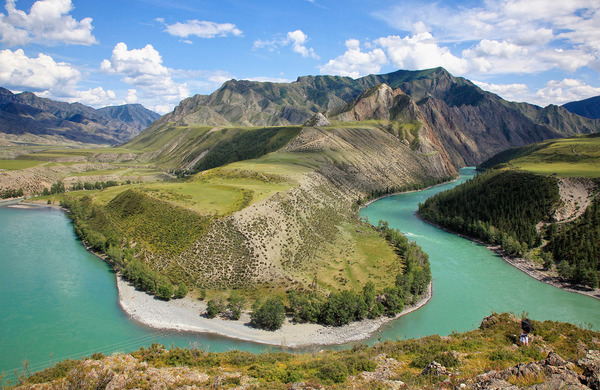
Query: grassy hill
{"points": [[560, 356], [276, 219], [567, 157]]}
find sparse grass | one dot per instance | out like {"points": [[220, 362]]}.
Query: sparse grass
{"points": [[357, 256]]}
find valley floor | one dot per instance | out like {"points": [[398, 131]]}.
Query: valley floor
{"points": [[187, 314]]}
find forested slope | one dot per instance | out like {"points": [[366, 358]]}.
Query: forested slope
{"points": [[523, 210]]}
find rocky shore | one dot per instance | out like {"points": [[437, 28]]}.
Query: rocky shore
{"points": [[187, 315]]}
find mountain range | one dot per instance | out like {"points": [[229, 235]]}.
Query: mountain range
{"points": [[50, 121], [441, 113]]}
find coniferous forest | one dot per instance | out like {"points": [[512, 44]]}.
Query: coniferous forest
{"points": [[576, 247], [497, 207], [504, 207]]}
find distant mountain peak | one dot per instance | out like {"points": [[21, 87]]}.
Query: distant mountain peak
{"points": [[589, 108], [28, 113]]}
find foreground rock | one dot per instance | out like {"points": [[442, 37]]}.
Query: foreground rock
{"points": [[551, 373]]}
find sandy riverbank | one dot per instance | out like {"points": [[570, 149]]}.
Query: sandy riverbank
{"points": [[184, 314]]}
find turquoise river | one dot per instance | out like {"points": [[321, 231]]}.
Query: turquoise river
{"points": [[58, 301]]}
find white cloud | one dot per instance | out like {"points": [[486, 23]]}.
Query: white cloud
{"points": [[296, 39], [202, 80], [511, 92], [48, 22], [201, 29], [509, 35], [96, 97], [270, 79], [18, 71], [421, 51], [48, 78], [354, 62], [502, 49], [131, 96], [143, 69], [567, 90]]}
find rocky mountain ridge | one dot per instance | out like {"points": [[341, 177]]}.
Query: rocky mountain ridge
{"points": [[456, 117], [25, 113]]}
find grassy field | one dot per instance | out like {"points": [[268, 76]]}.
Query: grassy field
{"points": [[567, 157], [358, 255], [19, 164]]}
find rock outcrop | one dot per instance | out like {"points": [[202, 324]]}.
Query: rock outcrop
{"points": [[551, 373]]}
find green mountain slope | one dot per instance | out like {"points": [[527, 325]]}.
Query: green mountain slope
{"points": [[539, 202]]}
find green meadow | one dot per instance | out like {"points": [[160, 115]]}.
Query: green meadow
{"points": [[566, 157]]}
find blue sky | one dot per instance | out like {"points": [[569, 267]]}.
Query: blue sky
{"points": [[157, 52]]}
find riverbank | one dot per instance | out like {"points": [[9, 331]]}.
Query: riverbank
{"points": [[527, 266], [186, 315], [407, 192]]}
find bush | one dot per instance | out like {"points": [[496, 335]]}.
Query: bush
{"points": [[165, 290], [269, 315], [212, 309], [181, 291], [333, 371]]}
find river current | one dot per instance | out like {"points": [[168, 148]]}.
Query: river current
{"points": [[59, 301]]}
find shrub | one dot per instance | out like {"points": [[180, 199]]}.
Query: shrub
{"points": [[181, 291], [269, 315], [165, 290], [212, 309], [333, 371]]}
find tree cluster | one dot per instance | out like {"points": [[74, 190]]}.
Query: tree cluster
{"points": [[146, 279], [11, 193], [576, 247], [499, 207]]}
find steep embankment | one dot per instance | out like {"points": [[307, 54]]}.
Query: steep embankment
{"points": [[560, 356]]}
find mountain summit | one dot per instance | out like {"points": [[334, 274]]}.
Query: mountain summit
{"points": [[464, 121]]}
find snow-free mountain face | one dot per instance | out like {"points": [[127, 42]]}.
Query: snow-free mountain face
{"points": [[27, 114], [450, 115], [589, 108]]}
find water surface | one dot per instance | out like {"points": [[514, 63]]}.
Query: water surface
{"points": [[469, 280], [59, 301]]}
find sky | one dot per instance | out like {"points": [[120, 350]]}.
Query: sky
{"points": [[158, 52]]}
